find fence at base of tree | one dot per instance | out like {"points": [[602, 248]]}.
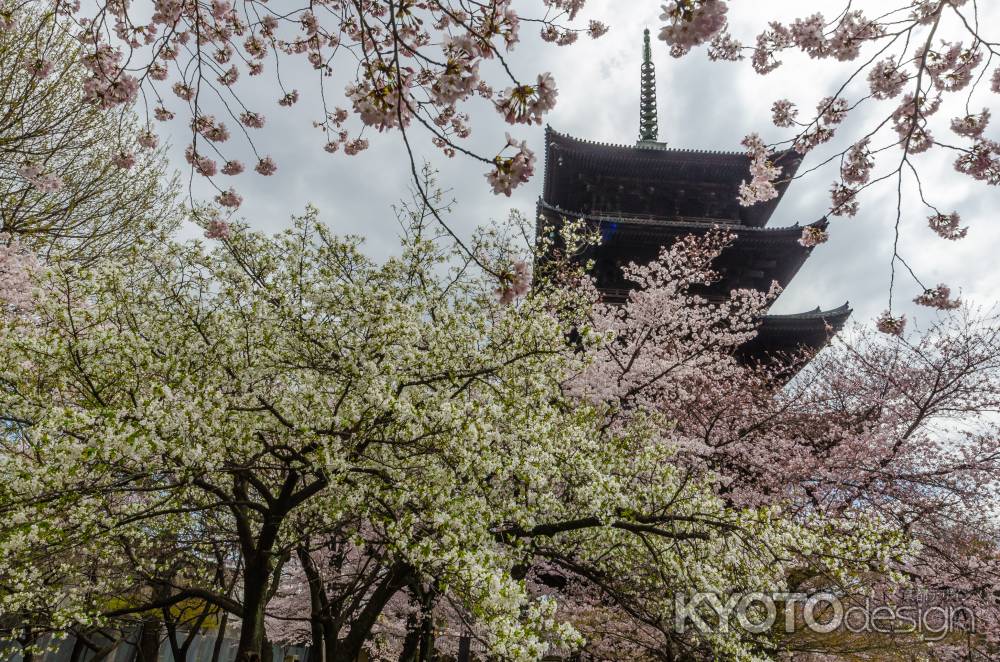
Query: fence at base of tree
{"points": [[103, 649]]}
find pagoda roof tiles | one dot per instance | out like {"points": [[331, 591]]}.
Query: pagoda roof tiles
{"points": [[567, 158], [780, 338], [564, 138], [684, 225], [841, 312]]}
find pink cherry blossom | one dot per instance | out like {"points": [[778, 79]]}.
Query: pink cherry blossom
{"points": [[886, 79], [843, 200], [266, 166], [810, 139], [511, 171], [971, 126], [230, 76], [808, 34], [856, 168], [938, 297], [39, 68], [124, 160], [763, 173], [526, 104], [783, 113], [148, 140], [894, 326], [185, 92], [981, 162], [691, 23], [217, 229], [162, 114], [355, 146], [202, 164], [232, 167], [252, 120], [813, 236], [951, 68], [37, 178], [107, 85], [832, 110], [947, 226], [596, 29], [157, 71], [229, 198], [514, 284], [910, 122]]}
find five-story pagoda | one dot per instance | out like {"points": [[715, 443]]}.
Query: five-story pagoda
{"points": [[644, 197]]}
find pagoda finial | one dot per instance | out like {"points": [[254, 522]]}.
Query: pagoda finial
{"points": [[648, 129]]}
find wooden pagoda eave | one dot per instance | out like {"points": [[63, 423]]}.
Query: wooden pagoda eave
{"points": [[568, 158], [780, 338], [642, 229]]}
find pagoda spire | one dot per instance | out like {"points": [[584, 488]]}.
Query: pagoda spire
{"points": [[648, 129]]}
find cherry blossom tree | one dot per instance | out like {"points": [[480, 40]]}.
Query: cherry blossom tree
{"points": [[288, 398], [65, 183], [898, 427], [419, 65], [921, 79]]}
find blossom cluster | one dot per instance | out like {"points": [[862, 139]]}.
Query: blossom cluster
{"points": [[886, 79], [813, 236], [981, 161], [938, 297], [38, 178], [944, 53], [947, 226], [763, 173], [460, 455], [971, 126], [512, 170], [890, 325], [515, 284], [201, 51], [17, 266], [690, 23]]}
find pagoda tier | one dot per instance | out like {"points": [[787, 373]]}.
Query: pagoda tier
{"points": [[642, 198], [756, 258], [781, 336], [651, 180]]}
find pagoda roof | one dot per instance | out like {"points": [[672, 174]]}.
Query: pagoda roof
{"points": [[668, 227], [567, 159], [794, 320], [654, 226], [784, 335], [757, 256]]}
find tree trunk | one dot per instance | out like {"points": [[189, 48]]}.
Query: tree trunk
{"points": [[316, 647], [329, 641], [349, 648], [419, 643], [147, 649], [427, 639], [78, 647], [220, 638], [411, 644], [316, 607], [178, 652], [255, 580]]}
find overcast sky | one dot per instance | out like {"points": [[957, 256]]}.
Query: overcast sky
{"points": [[702, 105]]}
